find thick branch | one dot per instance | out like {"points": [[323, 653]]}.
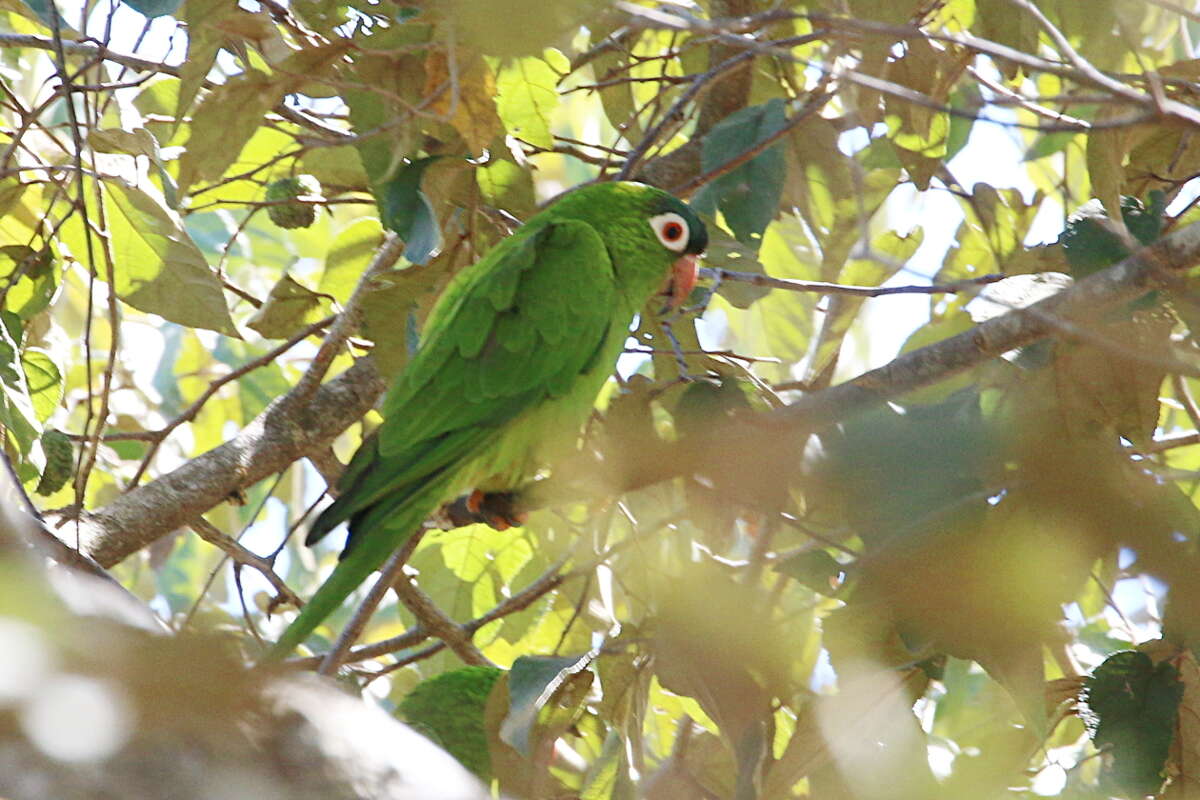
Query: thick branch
{"points": [[283, 433], [758, 443]]}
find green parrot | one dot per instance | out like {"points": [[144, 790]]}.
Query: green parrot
{"points": [[512, 357], [451, 709]]}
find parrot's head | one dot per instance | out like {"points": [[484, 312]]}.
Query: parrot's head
{"points": [[683, 234], [646, 230]]}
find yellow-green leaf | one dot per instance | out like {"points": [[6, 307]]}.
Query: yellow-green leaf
{"points": [[44, 380], [289, 307], [159, 269], [468, 102], [1106, 151], [348, 257], [526, 97], [223, 123]]}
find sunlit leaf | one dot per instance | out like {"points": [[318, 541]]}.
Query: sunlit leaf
{"points": [[526, 96], [44, 380], [158, 267], [348, 257], [466, 97], [28, 279], [288, 308]]}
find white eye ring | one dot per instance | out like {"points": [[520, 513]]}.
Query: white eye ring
{"points": [[672, 230]]}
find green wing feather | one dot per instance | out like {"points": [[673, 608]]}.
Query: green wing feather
{"points": [[510, 336]]}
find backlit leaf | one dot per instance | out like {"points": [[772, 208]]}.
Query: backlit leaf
{"points": [[158, 267], [526, 96]]}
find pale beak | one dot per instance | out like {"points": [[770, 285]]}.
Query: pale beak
{"points": [[684, 273]]}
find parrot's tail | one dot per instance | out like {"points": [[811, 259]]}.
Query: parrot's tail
{"points": [[373, 544]]}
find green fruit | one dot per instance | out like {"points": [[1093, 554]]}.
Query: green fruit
{"points": [[449, 709], [60, 462], [1089, 242], [293, 214]]}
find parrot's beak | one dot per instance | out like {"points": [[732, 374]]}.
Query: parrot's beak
{"points": [[684, 273]]}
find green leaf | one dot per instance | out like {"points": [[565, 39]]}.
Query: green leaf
{"points": [[349, 255], [725, 252], [405, 209], [233, 112], [815, 569], [532, 684], [508, 186], [996, 21], [154, 8], [527, 95], [608, 776], [1049, 144], [749, 195], [20, 212], [159, 269], [44, 380], [17, 414], [138, 142], [1131, 709], [223, 123], [28, 279], [1107, 148], [204, 41], [528, 26], [337, 166], [289, 307]]}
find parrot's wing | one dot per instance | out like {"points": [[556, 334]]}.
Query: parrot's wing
{"points": [[519, 329]]}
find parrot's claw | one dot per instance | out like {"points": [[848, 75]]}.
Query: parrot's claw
{"points": [[495, 508]]}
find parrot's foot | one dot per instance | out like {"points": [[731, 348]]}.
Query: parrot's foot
{"points": [[497, 509]]}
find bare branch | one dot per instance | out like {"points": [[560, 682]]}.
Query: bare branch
{"points": [[822, 287], [228, 545], [284, 432], [387, 255], [433, 619], [392, 570]]}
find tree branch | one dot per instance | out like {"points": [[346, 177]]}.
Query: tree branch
{"points": [[764, 439], [823, 287], [284, 432], [433, 619]]}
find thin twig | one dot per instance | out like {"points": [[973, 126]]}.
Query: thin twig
{"points": [[385, 257], [1170, 443], [433, 619], [675, 113], [822, 287], [392, 571], [228, 545], [98, 51], [810, 107], [548, 581], [1169, 108], [191, 411]]}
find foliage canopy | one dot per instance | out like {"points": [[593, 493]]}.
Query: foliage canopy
{"points": [[762, 576]]}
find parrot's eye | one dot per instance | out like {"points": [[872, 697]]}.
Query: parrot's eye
{"points": [[671, 229]]}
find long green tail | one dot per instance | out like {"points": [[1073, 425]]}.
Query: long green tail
{"points": [[384, 529]]}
